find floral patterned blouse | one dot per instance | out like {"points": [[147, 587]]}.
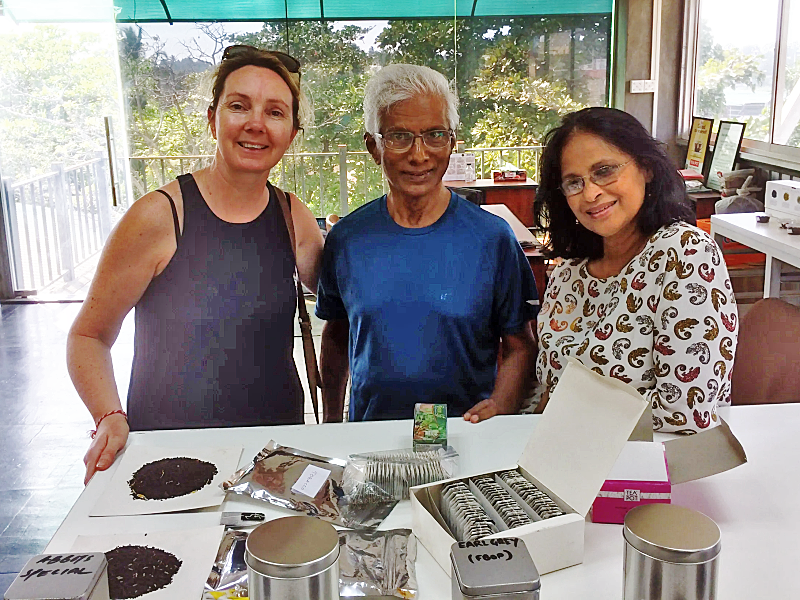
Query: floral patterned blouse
{"points": [[667, 325]]}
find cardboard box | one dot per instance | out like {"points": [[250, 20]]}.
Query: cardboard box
{"points": [[573, 448], [640, 476], [641, 466], [515, 175], [782, 199]]}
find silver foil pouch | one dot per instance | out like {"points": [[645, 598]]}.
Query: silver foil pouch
{"points": [[288, 477], [377, 563], [229, 573]]}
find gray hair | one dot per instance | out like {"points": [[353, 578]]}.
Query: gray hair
{"points": [[398, 82]]}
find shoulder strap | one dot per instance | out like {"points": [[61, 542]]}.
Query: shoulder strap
{"points": [[174, 215], [312, 372]]}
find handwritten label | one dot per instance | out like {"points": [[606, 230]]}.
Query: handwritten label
{"points": [[55, 559], [486, 543], [504, 555], [44, 572], [310, 482], [633, 495]]}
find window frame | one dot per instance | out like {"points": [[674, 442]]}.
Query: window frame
{"points": [[752, 151]]}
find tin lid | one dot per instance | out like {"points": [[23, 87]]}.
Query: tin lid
{"points": [[672, 533], [292, 547], [496, 566], [71, 576]]}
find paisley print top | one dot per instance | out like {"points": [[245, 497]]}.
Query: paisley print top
{"points": [[667, 325]]}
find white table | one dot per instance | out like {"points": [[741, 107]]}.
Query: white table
{"points": [[769, 238], [757, 505]]}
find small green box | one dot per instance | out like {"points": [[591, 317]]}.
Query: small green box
{"points": [[430, 426]]}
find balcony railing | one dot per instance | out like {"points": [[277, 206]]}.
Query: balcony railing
{"points": [[328, 182], [56, 221]]}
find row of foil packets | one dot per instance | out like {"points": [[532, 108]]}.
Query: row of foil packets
{"points": [[371, 563]]}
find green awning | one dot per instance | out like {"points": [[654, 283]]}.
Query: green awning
{"points": [[270, 10]]}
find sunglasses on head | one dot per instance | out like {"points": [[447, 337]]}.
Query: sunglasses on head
{"points": [[290, 62]]}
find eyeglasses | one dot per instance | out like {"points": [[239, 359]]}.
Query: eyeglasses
{"points": [[403, 140], [290, 62], [602, 176]]}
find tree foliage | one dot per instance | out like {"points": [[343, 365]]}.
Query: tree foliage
{"points": [[55, 88], [722, 69], [514, 77]]}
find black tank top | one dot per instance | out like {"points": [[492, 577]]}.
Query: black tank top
{"points": [[214, 331]]}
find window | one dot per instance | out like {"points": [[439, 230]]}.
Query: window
{"points": [[515, 78], [745, 66]]}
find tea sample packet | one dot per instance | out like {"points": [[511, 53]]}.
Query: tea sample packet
{"points": [[430, 426], [306, 483]]}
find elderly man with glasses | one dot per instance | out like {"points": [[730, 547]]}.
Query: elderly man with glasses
{"points": [[420, 288]]}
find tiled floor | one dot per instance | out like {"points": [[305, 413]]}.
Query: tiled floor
{"points": [[44, 425]]}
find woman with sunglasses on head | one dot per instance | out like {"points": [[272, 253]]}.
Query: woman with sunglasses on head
{"points": [[208, 262], [641, 294]]}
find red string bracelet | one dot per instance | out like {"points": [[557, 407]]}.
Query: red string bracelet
{"points": [[119, 411]]}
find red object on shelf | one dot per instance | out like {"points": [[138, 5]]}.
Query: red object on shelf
{"points": [[734, 253], [510, 175], [690, 174]]}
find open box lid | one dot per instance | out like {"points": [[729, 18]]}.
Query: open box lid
{"points": [[581, 433]]}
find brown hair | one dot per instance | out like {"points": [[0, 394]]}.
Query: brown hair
{"points": [[256, 58]]}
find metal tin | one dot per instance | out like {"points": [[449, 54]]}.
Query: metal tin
{"points": [[293, 557], [496, 569], [71, 576], [671, 553]]}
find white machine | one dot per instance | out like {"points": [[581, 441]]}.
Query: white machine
{"points": [[782, 199]]}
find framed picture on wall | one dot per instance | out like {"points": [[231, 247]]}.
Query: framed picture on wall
{"points": [[726, 151], [698, 144]]}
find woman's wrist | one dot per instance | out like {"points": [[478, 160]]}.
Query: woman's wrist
{"points": [[114, 414]]}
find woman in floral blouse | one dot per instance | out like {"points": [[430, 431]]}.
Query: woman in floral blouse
{"points": [[640, 295]]}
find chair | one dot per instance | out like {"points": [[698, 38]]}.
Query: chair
{"points": [[767, 365], [475, 196]]}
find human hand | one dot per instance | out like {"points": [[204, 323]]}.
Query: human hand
{"points": [[485, 409], [112, 433]]}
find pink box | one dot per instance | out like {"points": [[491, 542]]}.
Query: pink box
{"points": [[640, 476]]}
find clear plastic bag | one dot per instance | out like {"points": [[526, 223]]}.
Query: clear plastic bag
{"points": [[376, 476]]}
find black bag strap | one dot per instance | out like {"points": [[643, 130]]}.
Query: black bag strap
{"points": [[309, 353], [174, 216]]}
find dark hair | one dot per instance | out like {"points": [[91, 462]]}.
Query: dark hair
{"points": [[256, 58], [665, 198]]}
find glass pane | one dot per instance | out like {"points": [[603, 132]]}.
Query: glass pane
{"points": [[515, 77], [735, 58], [58, 90], [787, 115]]}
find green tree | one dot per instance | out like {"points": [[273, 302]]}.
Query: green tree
{"points": [[505, 64], [55, 88], [334, 75], [722, 69], [719, 73], [520, 108]]}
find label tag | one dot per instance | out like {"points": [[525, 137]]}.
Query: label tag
{"points": [[633, 495], [310, 482]]}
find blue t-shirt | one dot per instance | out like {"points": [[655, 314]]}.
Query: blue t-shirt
{"points": [[426, 306]]}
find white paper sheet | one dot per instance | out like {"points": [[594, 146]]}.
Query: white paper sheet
{"points": [[117, 498], [195, 548], [501, 210]]}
